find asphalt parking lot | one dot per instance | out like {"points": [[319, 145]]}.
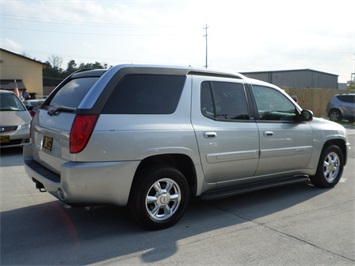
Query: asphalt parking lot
{"points": [[292, 225]]}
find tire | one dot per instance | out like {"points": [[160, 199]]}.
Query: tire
{"points": [[330, 168], [159, 197], [334, 115]]}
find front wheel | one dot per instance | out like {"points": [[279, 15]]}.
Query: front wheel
{"points": [[159, 197], [330, 168]]}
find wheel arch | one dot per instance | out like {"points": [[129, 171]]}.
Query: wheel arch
{"points": [[335, 109], [338, 142], [181, 162]]}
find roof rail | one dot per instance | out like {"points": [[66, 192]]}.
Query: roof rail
{"points": [[82, 70], [214, 74]]}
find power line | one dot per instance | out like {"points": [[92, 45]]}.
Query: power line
{"points": [[95, 33], [86, 23]]}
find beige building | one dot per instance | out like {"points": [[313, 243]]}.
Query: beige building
{"points": [[27, 73]]}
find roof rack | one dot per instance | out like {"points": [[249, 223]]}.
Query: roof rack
{"points": [[214, 74]]}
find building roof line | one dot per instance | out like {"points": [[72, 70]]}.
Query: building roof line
{"points": [[25, 57], [289, 70]]}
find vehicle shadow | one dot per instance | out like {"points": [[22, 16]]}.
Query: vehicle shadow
{"points": [[10, 156], [48, 234]]}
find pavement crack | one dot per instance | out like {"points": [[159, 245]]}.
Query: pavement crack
{"points": [[306, 242]]}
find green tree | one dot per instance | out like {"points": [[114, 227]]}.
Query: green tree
{"points": [[54, 74], [71, 68], [54, 67], [95, 65]]}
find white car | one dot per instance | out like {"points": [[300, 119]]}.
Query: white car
{"points": [[32, 105], [14, 121]]}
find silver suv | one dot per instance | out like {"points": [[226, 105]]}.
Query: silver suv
{"points": [[151, 137], [341, 106]]}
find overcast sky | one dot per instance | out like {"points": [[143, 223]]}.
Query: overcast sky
{"points": [[248, 35]]}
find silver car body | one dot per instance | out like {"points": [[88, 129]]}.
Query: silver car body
{"points": [[14, 121], [222, 154]]}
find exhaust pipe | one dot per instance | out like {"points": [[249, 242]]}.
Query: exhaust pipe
{"points": [[39, 185]]}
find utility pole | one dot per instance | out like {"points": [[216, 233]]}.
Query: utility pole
{"points": [[205, 28], [353, 74]]}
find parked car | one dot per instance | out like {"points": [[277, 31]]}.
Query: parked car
{"points": [[342, 106], [32, 105], [14, 121], [151, 137]]}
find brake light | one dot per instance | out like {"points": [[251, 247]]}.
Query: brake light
{"points": [[81, 131]]}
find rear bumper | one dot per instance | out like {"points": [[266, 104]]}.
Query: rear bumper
{"points": [[84, 183]]}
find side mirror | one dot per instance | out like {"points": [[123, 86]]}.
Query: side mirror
{"points": [[29, 107], [306, 115]]}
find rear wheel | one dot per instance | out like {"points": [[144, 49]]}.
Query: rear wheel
{"points": [[159, 197], [335, 115], [330, 168]]}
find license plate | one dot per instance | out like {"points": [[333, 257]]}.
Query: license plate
{"points": [[4, 139], [47, 143]]}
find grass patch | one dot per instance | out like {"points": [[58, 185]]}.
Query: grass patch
{"points": [[346, 123]]}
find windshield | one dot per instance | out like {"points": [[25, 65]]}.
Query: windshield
{"points": [[10, 102], [73, 92]]}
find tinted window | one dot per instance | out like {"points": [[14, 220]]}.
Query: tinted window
{"points": [[146, 94], [223, 100], [273, 105], [73, 92], [10, 102], [347, 98]]}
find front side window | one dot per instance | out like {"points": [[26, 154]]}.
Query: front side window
{"points": [[273, 105], [224, 101], [146, 94]]}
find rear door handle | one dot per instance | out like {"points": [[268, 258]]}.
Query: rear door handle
{"points": [[209, 135], [268, 133]]}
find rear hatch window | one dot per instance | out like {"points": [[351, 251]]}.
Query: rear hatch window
{"points": [[51, 128], [73, 92]]}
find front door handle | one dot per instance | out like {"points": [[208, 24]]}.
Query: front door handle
{"points": [[209, 135], [268, 133]]}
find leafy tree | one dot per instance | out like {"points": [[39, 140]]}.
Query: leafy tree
{"points": [[54, 74], [71, 68], [95, 65], [54, 69]]}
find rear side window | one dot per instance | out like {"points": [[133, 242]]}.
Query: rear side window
{"points": [[146, 94], [73, 92], [224, 101]]}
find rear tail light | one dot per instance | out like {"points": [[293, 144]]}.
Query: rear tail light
{"points": [[32, 113], [81, 131]]}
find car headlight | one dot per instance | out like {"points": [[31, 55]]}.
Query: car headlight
{"points": [[23, 127]]}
